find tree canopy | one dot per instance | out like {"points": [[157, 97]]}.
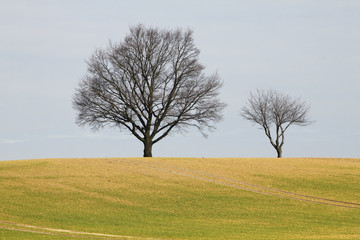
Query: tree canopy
{"points": [[275, 111], [149, 84]]}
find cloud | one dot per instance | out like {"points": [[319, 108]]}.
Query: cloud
{"points": [[97, 135], [61, 136], [11, 141]]}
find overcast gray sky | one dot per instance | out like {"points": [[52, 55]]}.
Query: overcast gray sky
{"points": [[304, 48]]}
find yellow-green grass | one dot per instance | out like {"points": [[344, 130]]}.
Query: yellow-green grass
{"points": [[180, 198]]}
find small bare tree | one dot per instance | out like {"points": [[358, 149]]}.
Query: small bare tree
{"points": [[273, 109], [150, 84]]}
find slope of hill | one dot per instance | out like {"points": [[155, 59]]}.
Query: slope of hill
{"points": [[174, 198]]}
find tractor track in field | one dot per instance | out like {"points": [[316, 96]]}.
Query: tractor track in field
{"points": [[242, 185], [67, 233]]}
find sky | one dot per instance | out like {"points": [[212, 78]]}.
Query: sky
{"points": [[304, 48]]}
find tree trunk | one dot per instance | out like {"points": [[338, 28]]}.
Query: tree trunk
{"points": [[279, 152], [148, 148]]}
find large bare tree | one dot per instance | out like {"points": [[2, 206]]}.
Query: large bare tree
{"points": [[150, 84], [275, 111]]}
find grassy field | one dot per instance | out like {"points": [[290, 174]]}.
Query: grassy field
{"points": [[173, 198]]}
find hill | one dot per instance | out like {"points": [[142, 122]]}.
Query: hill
{"points": [[180, 198]]}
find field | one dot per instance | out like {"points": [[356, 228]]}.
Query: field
{"points": [[180, 198]]}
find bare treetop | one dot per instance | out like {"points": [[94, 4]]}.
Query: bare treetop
{"points": [[151, 83], [274, 109]]}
